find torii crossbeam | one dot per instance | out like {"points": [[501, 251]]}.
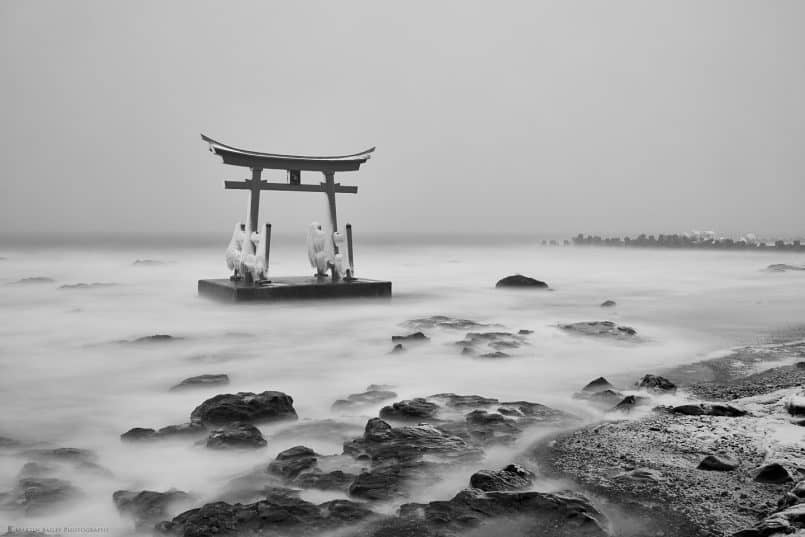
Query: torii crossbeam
{"points": [[294, 165]]}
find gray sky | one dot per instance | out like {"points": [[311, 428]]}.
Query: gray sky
{"points": [[488, 116]]}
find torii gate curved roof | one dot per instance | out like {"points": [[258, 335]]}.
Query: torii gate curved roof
{"points": [[254, 159]]}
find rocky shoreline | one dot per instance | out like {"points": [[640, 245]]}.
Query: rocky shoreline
{"points": [[682, 471]]}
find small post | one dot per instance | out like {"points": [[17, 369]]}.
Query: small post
{"points": [[349, 250], [268, 246]]}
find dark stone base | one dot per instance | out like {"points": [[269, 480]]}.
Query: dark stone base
{"points": [[293, 287]]}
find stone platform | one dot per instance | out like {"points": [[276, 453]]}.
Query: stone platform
{"points": [[292, 287]]}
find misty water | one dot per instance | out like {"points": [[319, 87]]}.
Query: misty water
{"points": [[68, 377]]}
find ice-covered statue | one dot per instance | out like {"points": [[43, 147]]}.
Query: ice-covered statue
{"points": [[256, 263], [342, 268], [317, 249], [234, 252]]}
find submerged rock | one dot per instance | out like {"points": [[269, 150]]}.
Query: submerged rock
{"points": [[82, 285], [145, 434], [783, 267], [202, 381], [148, 507], [518, 280], [496, 354], [236, 436], [139, 434], [656, 383], [244, 407], [630, 402], [39, 495], [34, 280], [599, 328], [292, 462], [369, 397], [512, 477], [717, 463], [398, 348], [443, 321], [461, 401], [156, 338], [410, 409], [608, 303]]}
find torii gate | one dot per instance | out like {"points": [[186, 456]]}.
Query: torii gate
{"points": [[294, 165]]}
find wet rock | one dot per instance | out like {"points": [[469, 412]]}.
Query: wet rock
{"points": [[492, 340], [156, 338], [292, 462], [398, 348], [463, 401], [630, 402], [244, 407], [489, 427], [236, 436], [641, 474], [599, 328], [518, 280], [277, 515], [796, 405], [512, 477], [772, 473], [783, 267], [415, 337], [182, 430], [381, 442], [656, 383], [410, 409], [34, 469], [443, 321], [370, 397], [387, 481], [608, 303], [202, 381], [524, 332], [709, 409], [7, 442], [598, 385], [536, 412], [800, 365], [40, 495], [513, 513], [139, 434], [82, 285], [717, 463], [147, 507], [604, 398], [63, 454], [334, 480]]}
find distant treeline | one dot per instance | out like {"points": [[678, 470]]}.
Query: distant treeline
{"points": [[687, 241]]}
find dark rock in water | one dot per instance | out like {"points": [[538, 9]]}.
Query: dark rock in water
{"points": [[416, 336], [236, 435], [139, 434], [410, 409], [796, 405], [608, 303], [371, 397], [381, 443], [604, 398], [709, 409], [334, 480], [513, 514], [463, 401], [292, 462], [34, 280], [640, 474], [443, 321], [655, 383], [148, 507], [494, 340], [537, 411], [184, 429], [717, 463], [489, 427], [598, 385], [64, 454], [6, 442], [386, 481], [280, 514], [379, 387], [34, 469], [783, 267], [148, 262], [398, 348], [512, 477], [524, 332], [630, 402], [518, 280], [800, 365], [772, 473], [244, 407], [39, 495], [496, 354], [203, 381], [599, 328]]}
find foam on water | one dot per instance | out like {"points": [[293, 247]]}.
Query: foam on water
{"points": [[67, 380]]}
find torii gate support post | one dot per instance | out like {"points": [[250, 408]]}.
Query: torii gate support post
{"points": [[329, 189], [254, 204]]}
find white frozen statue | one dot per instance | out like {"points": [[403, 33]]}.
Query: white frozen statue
{"points": [[256, 263], [233, 251], [317, 249], [341, 263]]}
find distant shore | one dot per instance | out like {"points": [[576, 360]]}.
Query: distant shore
{"points": [[697, 241]]}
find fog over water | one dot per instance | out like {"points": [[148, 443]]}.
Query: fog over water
{"points": [[68, 380]]}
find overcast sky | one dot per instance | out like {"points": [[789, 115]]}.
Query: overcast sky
{"points": [[545, 117]]}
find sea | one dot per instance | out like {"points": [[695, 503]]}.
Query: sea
{"points": [[72, 375]]}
